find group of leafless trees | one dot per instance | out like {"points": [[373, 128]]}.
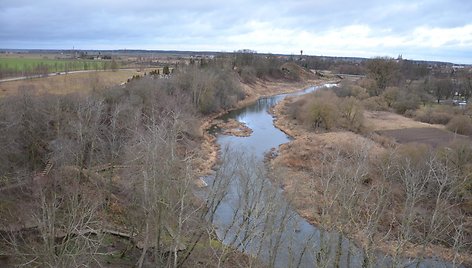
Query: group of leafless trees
{"points": [[405, 201], [115, 168], [388, 85], [252, 66], [80, 170], [440, 83], [426, 95]]}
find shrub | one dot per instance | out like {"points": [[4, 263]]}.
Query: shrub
{"points": [[315, 110], [349, 90], [293, 109], [352, 114], [342, 91], [375, 104], [324, 110], [359, 92], [460, 124], [385, 141], [321, 110], [391, 95], [406, 101], [459, 152], [433, 116], [247, 74]]}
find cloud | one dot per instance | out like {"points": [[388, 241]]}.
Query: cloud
{"points": [[427, 29]]}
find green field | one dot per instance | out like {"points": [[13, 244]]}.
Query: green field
{"points": [[12, 66]]}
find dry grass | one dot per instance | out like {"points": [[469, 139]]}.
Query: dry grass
{"points": [[434, 137], [381, 120], [396, 128], [76, 82]]}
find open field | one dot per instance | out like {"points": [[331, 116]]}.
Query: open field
{"points": [[25, 65], [406, 130], [381, 120], [63, 84], [427, 135]]}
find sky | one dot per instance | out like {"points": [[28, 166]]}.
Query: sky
{"points": [[422, 30]]}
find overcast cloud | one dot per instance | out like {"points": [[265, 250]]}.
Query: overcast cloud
{"points": [[429, 30]]}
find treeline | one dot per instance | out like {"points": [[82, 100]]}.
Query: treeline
{"points": [[431, 97], [251, 66], [407, 68], [415, 96]]}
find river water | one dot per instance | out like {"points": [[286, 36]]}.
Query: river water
{"points": [[255, 217]]}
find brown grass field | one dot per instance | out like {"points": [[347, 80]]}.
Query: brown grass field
{"points": [[427, 135], [381, 120], [406, 130], [69, 83]]}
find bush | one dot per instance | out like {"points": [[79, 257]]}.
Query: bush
{"points": [[352, 113], [293, 108], [406, 101], [321, 110], [390, 95], [247, 74], [460, 124], [459, 152], [324, 110], [376, 103], [359, 92], [342, 91], [346, 89], [401, 99], [433, 116]]}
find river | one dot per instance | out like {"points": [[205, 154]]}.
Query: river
{"points": [[254, 215]]}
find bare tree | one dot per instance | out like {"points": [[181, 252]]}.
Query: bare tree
{"points": [[383, 71]]}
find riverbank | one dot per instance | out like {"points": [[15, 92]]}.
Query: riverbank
{"points": [[310, 154], [208, 150]]}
